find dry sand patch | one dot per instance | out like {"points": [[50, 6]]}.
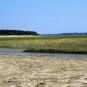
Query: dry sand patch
{"points": [[36, 71]]}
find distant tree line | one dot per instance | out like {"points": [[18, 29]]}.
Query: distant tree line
{"points": [[17, 32], [65, 34], [74, 34]]}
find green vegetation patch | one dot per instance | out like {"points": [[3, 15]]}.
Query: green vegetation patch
{"points": [[67, 44]]}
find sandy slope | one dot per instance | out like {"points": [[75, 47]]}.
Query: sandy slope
{"points": [[26, 71]]}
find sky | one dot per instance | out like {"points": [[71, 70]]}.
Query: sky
{"points": [[44, 16]]}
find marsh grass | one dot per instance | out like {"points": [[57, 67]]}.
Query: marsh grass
{"points": [[52, 44]]}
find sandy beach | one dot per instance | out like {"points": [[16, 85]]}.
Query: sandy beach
{"points": [[20, 36], [36, 71]]}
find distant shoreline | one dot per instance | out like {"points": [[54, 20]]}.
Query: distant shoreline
{"points": [[19, 36]]}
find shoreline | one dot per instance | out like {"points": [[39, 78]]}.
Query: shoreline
{"points": [[24, 50], [20, 36]]}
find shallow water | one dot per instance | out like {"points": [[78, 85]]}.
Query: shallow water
{"points": [[19, 52]]}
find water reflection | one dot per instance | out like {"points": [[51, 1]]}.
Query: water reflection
{"points": [[19, 52]]}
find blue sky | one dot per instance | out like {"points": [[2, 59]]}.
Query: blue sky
{"points": [[44, 16]]}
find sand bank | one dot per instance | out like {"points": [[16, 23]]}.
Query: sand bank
{"points": [[27, 71]]}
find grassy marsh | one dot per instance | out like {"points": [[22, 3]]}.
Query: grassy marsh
{"points": [[52, 44]]}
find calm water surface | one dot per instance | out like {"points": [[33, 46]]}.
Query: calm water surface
{"points": [[61, 55]]}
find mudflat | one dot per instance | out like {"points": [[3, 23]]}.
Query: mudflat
{"points": [[42, 71]]}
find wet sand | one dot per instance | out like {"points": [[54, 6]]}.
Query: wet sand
{"points": [[36, 71]]}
